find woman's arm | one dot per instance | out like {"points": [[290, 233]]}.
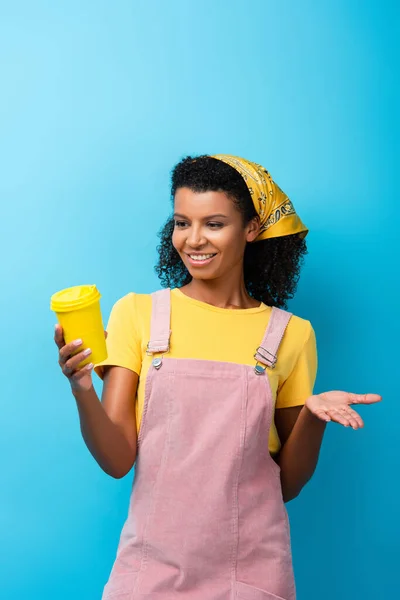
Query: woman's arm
{"points": [[301, 430], [301, 435], [109, 427]]}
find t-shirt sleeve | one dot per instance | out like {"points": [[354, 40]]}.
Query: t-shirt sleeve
{"points": [[299, 385], [123, 340]]}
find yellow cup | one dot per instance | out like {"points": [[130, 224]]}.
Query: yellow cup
{"points": [[78, 312]]}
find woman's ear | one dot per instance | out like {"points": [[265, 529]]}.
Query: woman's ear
{"points": [[253, 229]]}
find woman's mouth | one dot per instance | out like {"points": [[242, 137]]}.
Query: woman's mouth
{"points": [[200, 260]]}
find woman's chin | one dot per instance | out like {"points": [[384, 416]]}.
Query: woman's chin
{"points": [[197, 274], [202, 273]]}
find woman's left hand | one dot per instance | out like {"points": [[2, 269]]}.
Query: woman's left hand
{"points": [[335, 406]]}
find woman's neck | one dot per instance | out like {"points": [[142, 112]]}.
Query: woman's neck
{"points": [[226, 294]]}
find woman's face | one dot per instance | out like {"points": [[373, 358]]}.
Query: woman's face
{"points": [[209, 233]]}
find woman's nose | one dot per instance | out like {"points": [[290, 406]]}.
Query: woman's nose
{"points": [[195, 237]]}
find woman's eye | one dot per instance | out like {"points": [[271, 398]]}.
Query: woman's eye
{"points": [[215, 225], [180, 224]]}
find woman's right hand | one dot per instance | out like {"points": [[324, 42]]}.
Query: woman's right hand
{"points": [[79, 378]]}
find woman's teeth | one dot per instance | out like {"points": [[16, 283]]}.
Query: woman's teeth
{"points": [[201, 256]]}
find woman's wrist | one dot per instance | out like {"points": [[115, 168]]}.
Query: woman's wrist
{"points": [[308, 415], [84, 396]]}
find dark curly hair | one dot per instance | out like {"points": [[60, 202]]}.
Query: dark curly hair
{"points": [[271, 267]]}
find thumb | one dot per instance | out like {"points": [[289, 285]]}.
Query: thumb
{"points": [[365, 398]]}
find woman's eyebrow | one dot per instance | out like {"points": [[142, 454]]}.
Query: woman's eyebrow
{"points": [[208, 217]]}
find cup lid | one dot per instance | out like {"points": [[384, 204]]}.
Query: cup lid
{"points": [[74, 297]]}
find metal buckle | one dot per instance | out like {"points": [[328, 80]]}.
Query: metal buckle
{"points": [[259, 369], [151, 352], [264, 356]]}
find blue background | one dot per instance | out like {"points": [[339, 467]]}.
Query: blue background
{"points": [[98, 101]]}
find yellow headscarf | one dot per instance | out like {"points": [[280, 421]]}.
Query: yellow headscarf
{"points": [[277, 214]]}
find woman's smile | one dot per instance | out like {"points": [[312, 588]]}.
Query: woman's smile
{"points": [[200, 260]]}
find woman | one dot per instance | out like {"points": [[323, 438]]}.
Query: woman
{"points": [[208, 387]]}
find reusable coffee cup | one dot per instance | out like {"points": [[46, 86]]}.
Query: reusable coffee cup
{"points": [[78, 312]]}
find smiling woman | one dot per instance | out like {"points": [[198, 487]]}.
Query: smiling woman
{"points": [[209, 388], [204, 239], [229, 205]]}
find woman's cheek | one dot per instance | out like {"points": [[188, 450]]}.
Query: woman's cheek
{"points": [[176, 242]]}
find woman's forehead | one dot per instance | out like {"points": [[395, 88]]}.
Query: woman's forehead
{"points": [[199, 203]]}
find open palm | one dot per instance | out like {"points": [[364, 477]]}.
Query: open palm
{"points": [[335, 406]]}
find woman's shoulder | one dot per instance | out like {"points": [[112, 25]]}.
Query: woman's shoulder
{"points": [[299, 322], [299, 340], [133, 303], [299, 330], [131, 315]]}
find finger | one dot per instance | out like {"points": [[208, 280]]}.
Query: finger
{"points": [[59, 336], [347, 418], [322, 415], [364, 398], [82, 372], [354, 418], [106, 334], [352, 422], [338, 417], [68, 349], [73, 363]]}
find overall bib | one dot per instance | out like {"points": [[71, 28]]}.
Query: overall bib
{"points": [[206, 518]]}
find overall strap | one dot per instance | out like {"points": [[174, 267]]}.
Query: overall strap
{"points": [[160, 328], [267, 353]]}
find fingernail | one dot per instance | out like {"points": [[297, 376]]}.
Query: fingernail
{"points": [[87, 352], [89, 367], [78, 343]]}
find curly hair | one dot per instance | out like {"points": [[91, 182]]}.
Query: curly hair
{"points": [[271, 267]]}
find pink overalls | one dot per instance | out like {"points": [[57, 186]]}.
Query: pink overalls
{"points": [[206, 519]]}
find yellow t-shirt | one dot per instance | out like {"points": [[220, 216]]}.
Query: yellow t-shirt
{"points": [[205, 332]]}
